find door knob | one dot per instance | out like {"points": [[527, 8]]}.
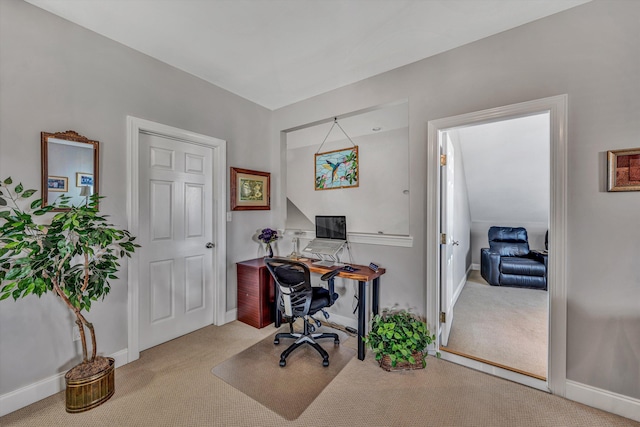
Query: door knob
{"points": [[455, 243], [210, 245]]}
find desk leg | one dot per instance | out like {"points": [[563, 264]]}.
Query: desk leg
{"points": [[278, 317], [362, 315], [375, 296]]}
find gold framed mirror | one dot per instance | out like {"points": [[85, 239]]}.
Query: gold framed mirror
{"points": [[69, 167]]}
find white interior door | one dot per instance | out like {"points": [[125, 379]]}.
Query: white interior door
{"points": [[176, 281], [446, 230]]}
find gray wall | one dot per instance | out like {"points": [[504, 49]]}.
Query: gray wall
{"points": [[590, 53], [56, 76]]}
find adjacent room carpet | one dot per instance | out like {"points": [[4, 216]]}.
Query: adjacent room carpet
{"points": [[503, 325], [286, 390]]}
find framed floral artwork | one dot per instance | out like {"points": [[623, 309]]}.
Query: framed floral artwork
{"points": [[337, 169], [250, 190]]}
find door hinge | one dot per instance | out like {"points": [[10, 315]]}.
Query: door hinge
{"points": [[443, 317], [443, 238], [443, 159]]}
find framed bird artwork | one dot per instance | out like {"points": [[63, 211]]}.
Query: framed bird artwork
{"points": [[337, 169]]}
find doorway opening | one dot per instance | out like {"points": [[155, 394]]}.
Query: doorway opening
{"points": [[550, 188], [496, 176]]}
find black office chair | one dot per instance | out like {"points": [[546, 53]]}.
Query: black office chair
{"points": [[298, 299]]}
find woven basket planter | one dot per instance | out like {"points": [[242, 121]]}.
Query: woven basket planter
{"points": [[87, 393], [385, 363]]}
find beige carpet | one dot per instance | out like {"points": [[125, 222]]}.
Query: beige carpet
{"points": [[503, 325], [171, 385], [286, 390]]}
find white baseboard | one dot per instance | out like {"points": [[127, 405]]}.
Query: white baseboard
{"points": [[39, 390], [460, 287], [475, 266], [618, 404]]}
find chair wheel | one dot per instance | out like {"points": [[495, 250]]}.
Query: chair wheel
{"points": [[336, 341], [283, 363], [325, 362], [276, 341]]}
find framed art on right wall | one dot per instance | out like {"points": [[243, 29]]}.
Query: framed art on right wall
{"points": [[623, 170]]}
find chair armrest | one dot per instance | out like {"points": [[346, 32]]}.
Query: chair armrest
{"points": [[539, 256], [490, 266], [329, 277]]}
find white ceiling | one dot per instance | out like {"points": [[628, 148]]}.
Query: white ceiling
{"points": [[380, 119], [278, 52]]}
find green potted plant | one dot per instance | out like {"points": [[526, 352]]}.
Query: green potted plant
{"points": [[74, 256], [399, 339]]}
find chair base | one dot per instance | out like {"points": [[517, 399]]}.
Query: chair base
{"points": [[305, 338]]}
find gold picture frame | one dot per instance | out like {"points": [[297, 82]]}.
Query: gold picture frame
{"points": [[337, 169], [84, 179], [623, 170], [58, 183], [250, 190]]}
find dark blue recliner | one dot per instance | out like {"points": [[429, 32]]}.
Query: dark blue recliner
{"points": [[509, 262]]}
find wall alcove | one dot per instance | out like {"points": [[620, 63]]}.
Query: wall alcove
{"points": [[379, 205]]}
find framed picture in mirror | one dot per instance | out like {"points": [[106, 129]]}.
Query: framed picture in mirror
{"points": [[83, 179], [58, 183]]}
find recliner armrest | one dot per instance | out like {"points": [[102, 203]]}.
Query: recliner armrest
{"points": [[490, 266]]}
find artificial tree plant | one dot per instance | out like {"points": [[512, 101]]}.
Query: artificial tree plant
{"points": [[74, 256]]}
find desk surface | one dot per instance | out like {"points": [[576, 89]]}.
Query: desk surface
{"points": [[363, 274]]}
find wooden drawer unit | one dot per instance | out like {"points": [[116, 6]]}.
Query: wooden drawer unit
{"points": [[255, 293]]}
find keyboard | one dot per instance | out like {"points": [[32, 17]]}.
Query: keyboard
{"points": [[324, 247]]}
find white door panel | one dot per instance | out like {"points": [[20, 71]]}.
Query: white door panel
{"points": [[176, 217], [446, 226]]}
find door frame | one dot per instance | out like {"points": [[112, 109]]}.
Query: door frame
{"points": [[557, 108], [135, 126]]}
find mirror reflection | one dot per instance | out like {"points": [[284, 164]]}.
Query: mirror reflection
{"points": [[69, 167]]}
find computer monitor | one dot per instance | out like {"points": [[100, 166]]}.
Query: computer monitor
{"points": [[331, 227]]}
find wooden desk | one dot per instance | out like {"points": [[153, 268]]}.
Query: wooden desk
{"points": [[363, 275]]}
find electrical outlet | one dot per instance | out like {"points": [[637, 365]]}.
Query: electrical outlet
{"points": [[76, 333]]}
